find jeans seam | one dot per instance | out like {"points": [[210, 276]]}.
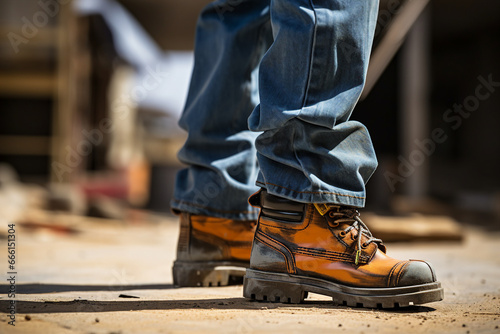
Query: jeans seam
{"points": [[312, 192], [311, 58]]}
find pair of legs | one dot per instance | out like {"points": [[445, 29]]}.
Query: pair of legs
{"points": [[273, 87], [272, 91]]}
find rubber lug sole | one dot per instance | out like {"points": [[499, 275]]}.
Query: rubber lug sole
{"points": [[284, 288], [207, 274]]}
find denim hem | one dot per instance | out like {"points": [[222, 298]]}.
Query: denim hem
{"points": [[342, 198], [197, 209]]}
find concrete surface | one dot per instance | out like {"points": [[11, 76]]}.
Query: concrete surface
{"points": [[79, 275]]}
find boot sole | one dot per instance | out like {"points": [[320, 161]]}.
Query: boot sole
{"points": [[209, 273], [284, 288]]}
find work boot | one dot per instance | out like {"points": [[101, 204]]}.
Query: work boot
{"points": [[327, 249], [212, 251]]}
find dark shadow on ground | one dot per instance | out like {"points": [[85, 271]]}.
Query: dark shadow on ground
{"points": [[35, 288], [79, 306]]}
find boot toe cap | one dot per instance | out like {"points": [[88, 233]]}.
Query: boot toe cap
{"points": [[417, 272]]}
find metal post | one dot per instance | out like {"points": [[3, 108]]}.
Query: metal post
{"points": [[414, 106]]}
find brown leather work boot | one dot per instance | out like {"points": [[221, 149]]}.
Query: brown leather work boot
{"points": [[212, 251], [326, 249]]}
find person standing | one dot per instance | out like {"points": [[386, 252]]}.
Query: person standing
{"points": [[268, 118]]}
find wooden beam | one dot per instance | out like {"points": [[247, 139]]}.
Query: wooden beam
{"points": [[35, 85], [392, 41], [24, 145]]}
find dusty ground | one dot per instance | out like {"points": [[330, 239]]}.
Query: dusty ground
{"points": [[100, 276]]}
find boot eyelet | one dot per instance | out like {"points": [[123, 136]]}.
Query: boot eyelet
{"points": [[333, 224], [342, 234], [332, 221]]}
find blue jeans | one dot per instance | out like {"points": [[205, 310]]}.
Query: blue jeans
{"points": [[272, 90]]}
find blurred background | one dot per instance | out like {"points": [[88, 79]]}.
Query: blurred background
{"points": [[91, 91]]}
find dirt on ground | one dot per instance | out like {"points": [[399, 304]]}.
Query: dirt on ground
{"points": [[81, 275]]}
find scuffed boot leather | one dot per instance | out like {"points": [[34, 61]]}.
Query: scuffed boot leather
{"points": [[327, 249], [212, 251]]}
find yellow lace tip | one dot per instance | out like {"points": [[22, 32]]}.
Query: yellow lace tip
{"points": [[358, 253]]}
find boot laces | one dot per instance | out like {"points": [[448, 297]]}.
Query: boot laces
{"points": [[351, 216]]}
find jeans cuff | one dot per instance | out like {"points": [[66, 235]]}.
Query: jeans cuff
{"points": [[340, 197], [196, 209]]}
